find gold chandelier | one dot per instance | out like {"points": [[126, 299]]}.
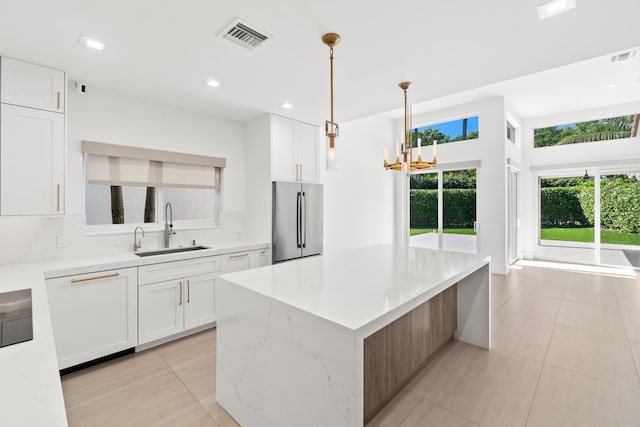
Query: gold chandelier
{"points": [[331, 128], [404, 152]]}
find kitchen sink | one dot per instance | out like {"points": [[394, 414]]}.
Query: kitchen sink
{"points": [[171, 251]]}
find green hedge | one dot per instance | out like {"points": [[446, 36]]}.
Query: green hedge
{"points": [[619, 205], [561, 207], [459, 208], [574, 206]]}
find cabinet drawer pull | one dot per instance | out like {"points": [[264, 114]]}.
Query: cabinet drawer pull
{"points": [[300, 172], [86, 279], [180, 303], [58, 189], [58, 100], [238, 256], [188, 292]]}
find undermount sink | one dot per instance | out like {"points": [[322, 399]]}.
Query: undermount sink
{"points": [[171, 251]]}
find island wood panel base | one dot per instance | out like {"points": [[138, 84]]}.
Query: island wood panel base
{"points": [[396, 353]]}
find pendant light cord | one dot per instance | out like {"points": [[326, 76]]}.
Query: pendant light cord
{"points": [[331, 77]]}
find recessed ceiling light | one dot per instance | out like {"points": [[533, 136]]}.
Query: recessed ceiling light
{"points": [[92, 43], [213, 83], [611, 85], [555, 7], [287, 105]]}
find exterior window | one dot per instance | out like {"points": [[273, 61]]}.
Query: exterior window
{"points": [[511, 132], [453, 131], [132, 185], [595, 130], [107, 204]]}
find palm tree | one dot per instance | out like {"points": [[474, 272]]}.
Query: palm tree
{"points": [[117, 205], [620, 127]]}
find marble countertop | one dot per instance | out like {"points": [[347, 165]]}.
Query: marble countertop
{"points": [[357, 287], [31, 392]]}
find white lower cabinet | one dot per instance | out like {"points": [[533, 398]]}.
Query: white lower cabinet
{"points": [[245, 260], [199, 308], [172, 306], [93, 315], [260, 258], [160, 311]]}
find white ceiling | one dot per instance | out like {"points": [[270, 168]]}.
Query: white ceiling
{"points": [[164, 50]]}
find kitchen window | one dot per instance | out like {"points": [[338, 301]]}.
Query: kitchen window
{"points": [[128, 185]]}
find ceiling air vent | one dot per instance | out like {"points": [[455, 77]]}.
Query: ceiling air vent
{"points": [[243, 34], [624, 56]]}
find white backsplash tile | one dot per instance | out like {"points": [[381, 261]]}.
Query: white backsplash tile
{"points": [[30, 239]]}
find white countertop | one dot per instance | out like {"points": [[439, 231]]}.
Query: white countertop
{"points": [[357, 287], [30, 389]]}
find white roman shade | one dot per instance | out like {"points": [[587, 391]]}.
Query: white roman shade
{"points": [[110, 164]]}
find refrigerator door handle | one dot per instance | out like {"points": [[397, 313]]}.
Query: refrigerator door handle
{"points": [[304, 240], [299, 220]]}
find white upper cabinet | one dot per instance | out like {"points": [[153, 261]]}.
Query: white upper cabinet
{"points": [[31, 161], [31, 85], [293, 150]]}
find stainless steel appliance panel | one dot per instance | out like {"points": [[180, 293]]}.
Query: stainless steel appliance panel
{"points": [[16, 323], [287, 212], [312, 206]]}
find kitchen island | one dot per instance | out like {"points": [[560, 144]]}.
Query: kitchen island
{"points": [[327, 340]]}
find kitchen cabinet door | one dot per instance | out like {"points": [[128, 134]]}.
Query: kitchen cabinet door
{"points": [[160, 310], [306, 136], [31, 161], [284, 166], [93, 315], [236, 262], [260, 258], [31, 85], [199, 301]]}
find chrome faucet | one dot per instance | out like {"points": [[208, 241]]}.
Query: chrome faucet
{"points": [[168, 224], [137, 244]]}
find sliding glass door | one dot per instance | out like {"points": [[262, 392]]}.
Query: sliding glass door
{"points": [[442, 210], [459, 211], [619, 225], [592, 218], [423, 210]]}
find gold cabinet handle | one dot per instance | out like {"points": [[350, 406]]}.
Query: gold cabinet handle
{"points": [[180, 303], [188, 292], [58, 100], [58, 208], [296, 171], [300, 172], [86, 279], [238, 256]]}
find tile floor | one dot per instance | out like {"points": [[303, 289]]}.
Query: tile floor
{"points": [[566, 352]]}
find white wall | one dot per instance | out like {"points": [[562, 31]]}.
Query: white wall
{"points": [[359, 197], [104, 116], [576, 157], [489, 149]]}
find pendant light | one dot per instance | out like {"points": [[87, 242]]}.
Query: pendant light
{"points": [[404, 149], [331, 128]]}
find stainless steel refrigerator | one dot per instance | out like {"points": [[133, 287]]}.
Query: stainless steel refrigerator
{"points": [[297, 220]]}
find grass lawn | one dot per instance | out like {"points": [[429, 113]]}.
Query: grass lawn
{"points": [[416, 231], [586, 235]]}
